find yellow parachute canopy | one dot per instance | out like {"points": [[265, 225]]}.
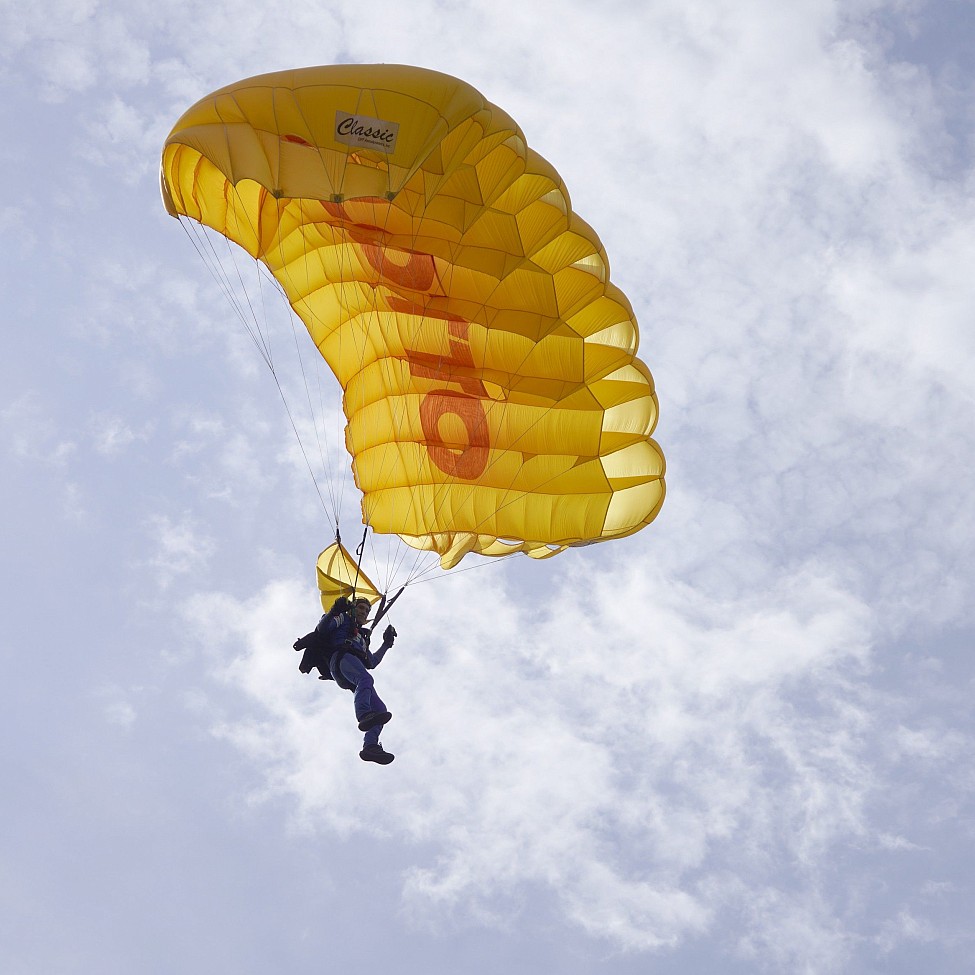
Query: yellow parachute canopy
{"points": [[338, 576], [494, 400]]}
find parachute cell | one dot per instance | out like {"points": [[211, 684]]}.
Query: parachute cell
{"points": [[493, 397]]}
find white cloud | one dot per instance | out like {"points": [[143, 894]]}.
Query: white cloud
{"points": [[73, 503], [122, 137], [930, 743], [118, 706], [225, 463], [890, 842], [111, 434], [201, 432], [905, 928], [15, 222], [76, 45], [631, 765], [179, 547], [31, 433], [794, 934]]}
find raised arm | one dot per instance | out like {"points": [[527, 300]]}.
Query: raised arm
{"points": [[389, 635]]}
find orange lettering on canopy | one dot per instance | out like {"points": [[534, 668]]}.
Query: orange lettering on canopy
{"points": [[416, 274], [430, 365], [465, 462], [468, 405]]}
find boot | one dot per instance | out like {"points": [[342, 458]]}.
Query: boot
{"points": [[371, 718], [375, 753]]}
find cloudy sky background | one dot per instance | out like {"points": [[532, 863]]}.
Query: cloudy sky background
{"points": [[740, 741]]}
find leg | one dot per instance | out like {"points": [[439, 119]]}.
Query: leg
{"points": [[368, 704], [371, 736], [354, 671]]}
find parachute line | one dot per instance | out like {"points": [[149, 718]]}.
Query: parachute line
{"points": [[261, 342]]}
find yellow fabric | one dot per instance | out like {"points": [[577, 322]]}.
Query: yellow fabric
{"points": [[337, 576], [493, 397]]}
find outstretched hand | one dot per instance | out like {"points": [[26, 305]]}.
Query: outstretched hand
{"points": [[389, 634]]}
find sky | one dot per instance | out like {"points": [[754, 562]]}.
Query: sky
{"points": [[738, 741]]}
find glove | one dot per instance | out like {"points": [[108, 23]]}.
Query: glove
{"points": [[297, 644], [389, 634]]}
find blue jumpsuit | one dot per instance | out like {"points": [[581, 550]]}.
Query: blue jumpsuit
{"points": [[350, 665]]}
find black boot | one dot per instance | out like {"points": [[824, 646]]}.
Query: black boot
{"points": [[371, 718], [375, 753]]}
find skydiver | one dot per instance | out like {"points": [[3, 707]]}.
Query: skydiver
{"points": [[339, 648]]}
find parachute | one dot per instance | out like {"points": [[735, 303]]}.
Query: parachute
{"points": [[339, 574], [492, 396]]}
